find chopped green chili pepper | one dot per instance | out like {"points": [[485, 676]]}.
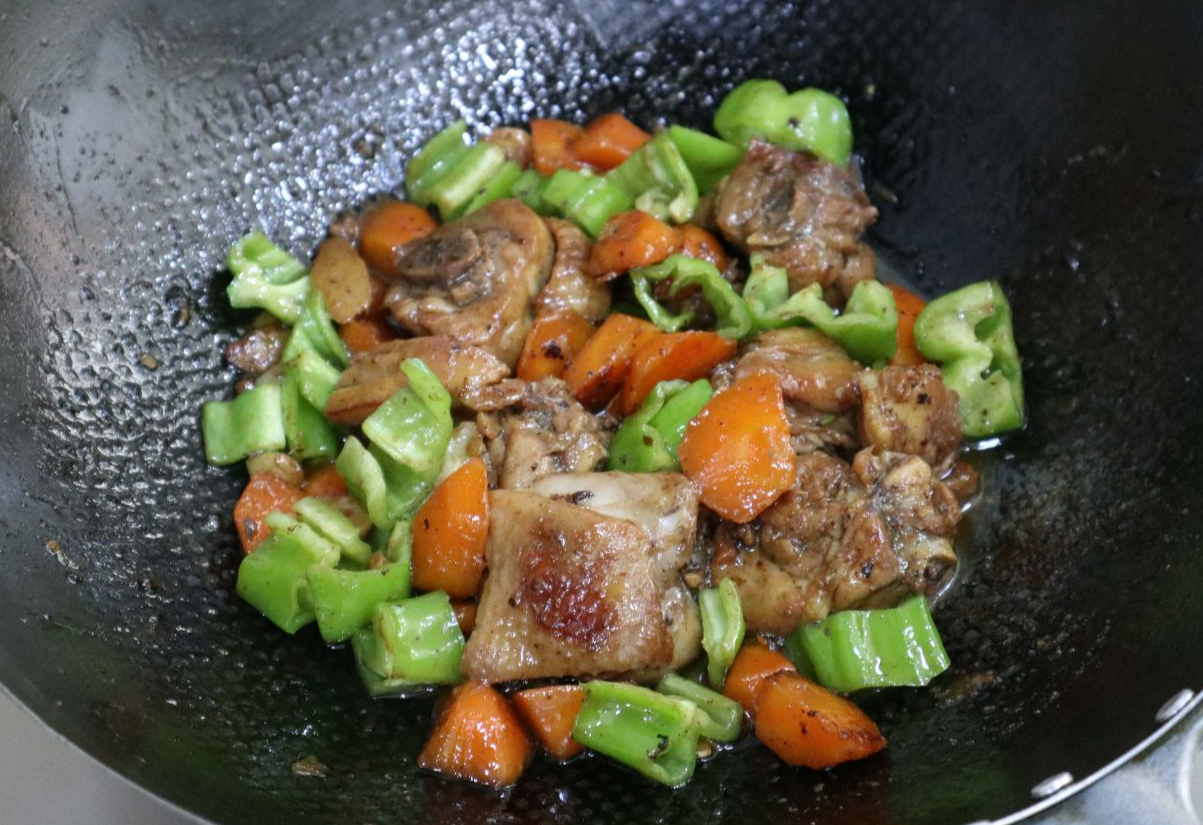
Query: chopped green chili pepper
{"points": [[723, 715], [657, 735], [251, 423], [364, 645], [316, 378], [417, 640], [266, 277], [709, 159], [273, 580], [463, 181], [722, 629], [499, 186], [400, 545], [413, 427], [333, 525], [314, 331], [734, 320], [586, 200], [809, 120], [647, 441], [343, 600], [867, 328], [529, 188], [309, 434], [656, 177], [856, 649], [435, 160], [968, 333], [390, 491]]}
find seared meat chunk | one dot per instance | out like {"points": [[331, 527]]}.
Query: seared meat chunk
{"points": [[810, 430], [811, 368], [373, 377], [536, 428], [474, 280], [570, 286], [909, 410], [258, 350], [804, 214], [569, 592], [666, 506], [844, 536]]}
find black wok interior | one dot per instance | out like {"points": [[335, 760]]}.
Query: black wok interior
{"points": [[1056, 145]]}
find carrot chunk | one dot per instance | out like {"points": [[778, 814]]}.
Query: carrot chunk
{"points": [[551, 712], [749, 672], [598, 371], [553, 341], [687, 356], [450, 532], [364, 334], [909, 306], [389, 225], [479, 737], [806, 724], [738, 449], [696, 242], [325, 482], [631, 239], [264, 493], [607, 141], [549, 145]]}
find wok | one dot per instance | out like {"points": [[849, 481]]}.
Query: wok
{"points": [[1055, 145]]}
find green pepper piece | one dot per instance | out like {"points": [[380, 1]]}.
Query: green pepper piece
{"points": [[968, 333], [723, 715], [309, 434], [722, 629], [657, 735], [709, 159], [273, 579], [251, 423], [316, 378], [364, 644], [333, 525], [857, 649], [499, 186], [314, 331], [656, 177], [648, 439], [266, 277], [810, 120], [867, 328], [751, 109], [529, 188], [400, 545], [734, 320], [585, 199], [817, 122], [343, 600], [413, 427], [440, 154], [388, 490], [417, 640], [471, 174]]}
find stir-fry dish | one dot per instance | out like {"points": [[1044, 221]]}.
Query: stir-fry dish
{"points": [[615, 439]]}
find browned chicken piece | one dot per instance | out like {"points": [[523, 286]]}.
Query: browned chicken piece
{"points": [[843, 537], [569, 592], [258, 350], [569, 286], [962, 479], [811, 368], [811, 430], [910, 410], [536, 428], [666, 506], [475, 280], [804, 214], [373, 377], [516, 144]]}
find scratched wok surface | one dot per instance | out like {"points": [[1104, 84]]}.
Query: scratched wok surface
{"points": [[1054, 145]]}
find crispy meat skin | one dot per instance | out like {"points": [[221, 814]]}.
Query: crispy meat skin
{"points": [[570, 286], [569, 592], [536, 428], [373, 377], [910, 410], [804, 214], [811, 368], [843, 536], [475, 280]]}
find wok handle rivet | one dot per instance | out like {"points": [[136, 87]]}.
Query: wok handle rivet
{"points": [[1053, 784], [1175, 704]]}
